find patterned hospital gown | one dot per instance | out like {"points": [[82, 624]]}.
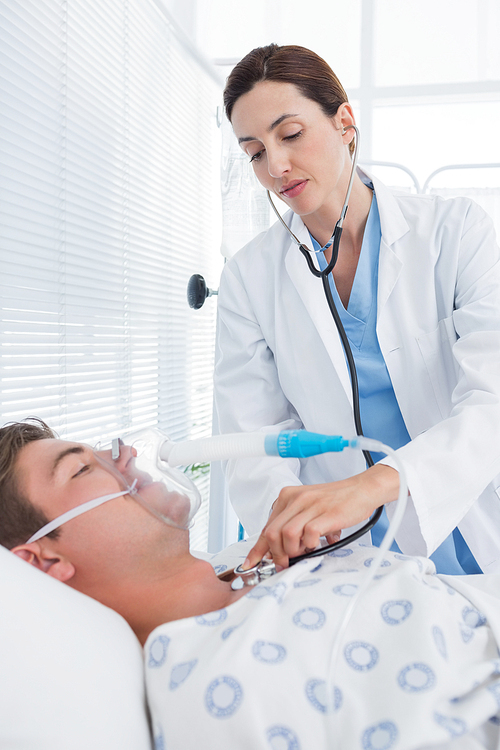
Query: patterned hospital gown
{"points": [[418, 665]]}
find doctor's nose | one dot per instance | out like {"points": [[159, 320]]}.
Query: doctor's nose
{"points": [[278, 164]]}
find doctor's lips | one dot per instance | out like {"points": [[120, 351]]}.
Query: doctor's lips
{"points": [[293, 189]]}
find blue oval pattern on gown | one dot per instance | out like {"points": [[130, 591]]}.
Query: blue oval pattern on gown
{"points": [[277, 592], [473, 617], [380, 737], [342, 552], [158, 651], [223, 697], [368, 563], [269, 653], [345, 589], [416, 677], [282, 734], [212, 618], [316, 695], [466, 633], [309, 618], [456, 727], [159, 740], [361, 656], [397, 611], [440, 641], [306, 582], [181, 672]]}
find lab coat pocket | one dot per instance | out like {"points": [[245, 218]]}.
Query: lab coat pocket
{"points": [[436, 348]]}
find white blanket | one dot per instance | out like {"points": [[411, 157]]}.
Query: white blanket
{"points": [[418, 667]]}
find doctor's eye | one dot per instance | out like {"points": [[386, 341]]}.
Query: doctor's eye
{"points": [[257, 156], [293, 136]]}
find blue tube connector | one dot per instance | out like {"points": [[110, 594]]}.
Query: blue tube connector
{"points": [[301, 444]]}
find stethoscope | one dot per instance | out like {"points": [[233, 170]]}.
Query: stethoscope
{"points": [[265, 568]]}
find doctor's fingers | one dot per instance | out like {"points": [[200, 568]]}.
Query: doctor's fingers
{"points": [[260, 548], [271, 540], [333, 536], [298, 535], [300, 516], [293, 531], [313, 501]]}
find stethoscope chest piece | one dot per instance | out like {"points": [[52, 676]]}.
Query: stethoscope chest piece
{"points": [[252, 576]]}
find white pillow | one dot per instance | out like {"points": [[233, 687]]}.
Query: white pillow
{"points": [[71, 669]]}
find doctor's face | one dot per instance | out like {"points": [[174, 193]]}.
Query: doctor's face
{"points": [[297, 152]]}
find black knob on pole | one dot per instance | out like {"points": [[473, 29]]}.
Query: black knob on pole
{"points": [[197, 291]]}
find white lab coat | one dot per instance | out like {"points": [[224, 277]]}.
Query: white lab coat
{"points": [[280, 363]]}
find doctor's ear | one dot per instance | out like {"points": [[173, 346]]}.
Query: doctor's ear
{"points": [[45, 560], [344, 118]]}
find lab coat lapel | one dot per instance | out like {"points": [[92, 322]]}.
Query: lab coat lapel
{"points": [[393, 226], [310, 290], [389, 269]]}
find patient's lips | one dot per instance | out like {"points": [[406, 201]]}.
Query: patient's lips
{"points": [[171, 505], [132, 474]]}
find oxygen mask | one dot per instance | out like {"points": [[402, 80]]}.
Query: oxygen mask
{"points": [[164, 491]]}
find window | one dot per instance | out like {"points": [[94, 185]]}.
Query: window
{"points": [[109, 185]]}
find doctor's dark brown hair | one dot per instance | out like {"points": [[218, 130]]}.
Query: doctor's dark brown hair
{"points": [[306, 70], [19, 519]]}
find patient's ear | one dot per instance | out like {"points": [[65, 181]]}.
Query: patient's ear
{"points": [[46, 560]]}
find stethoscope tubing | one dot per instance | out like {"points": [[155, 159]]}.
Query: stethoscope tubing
{"points": [[324, 275]]}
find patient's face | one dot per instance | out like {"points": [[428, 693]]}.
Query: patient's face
{"points": [[165, 498], [57, 476]]}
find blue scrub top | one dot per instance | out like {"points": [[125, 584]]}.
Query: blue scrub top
{"points": [[381, 416]]}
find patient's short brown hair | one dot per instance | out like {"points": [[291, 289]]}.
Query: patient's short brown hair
{"points": [[19, 519]]}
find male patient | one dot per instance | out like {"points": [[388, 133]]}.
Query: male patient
{"points": [[418, 665]]}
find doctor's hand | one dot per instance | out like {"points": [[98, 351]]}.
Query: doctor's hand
{"points": [[301, 515]]}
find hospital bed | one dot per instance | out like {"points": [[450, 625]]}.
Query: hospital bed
{"points": [[72, 669]]}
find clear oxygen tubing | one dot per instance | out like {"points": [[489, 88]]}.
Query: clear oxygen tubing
{"points": [[372, 445], [287, 444]]}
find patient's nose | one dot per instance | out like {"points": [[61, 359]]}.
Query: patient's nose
{"points": [[126, 453]]}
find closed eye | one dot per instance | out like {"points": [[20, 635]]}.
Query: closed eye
{"points": [[81, 471], [257, 156], [294, 136]]}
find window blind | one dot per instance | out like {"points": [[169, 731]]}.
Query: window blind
{"points": [[108, 199]]}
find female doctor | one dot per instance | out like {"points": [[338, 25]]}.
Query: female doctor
{"points": [[417, 286]]}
